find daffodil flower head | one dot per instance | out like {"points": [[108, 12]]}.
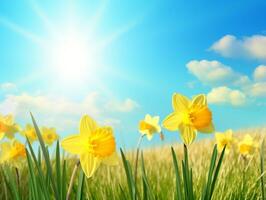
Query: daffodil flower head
{"points": [[12, 152], [189, 117], [149, 126], [94, 145], [224, 139], [49, 135], [247, 146], [7, 127], [30, 133]]}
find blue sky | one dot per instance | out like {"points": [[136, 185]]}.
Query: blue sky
{"points": [[118, 60]]}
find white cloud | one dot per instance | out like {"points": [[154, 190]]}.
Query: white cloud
{"points": [[215, 73], [260, 73], [252, 47], [257, 89], [126, 106], [7, 87], [225, 95], [65, 113]]}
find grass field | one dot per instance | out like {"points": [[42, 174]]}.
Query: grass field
{"points": [[238, 179]]}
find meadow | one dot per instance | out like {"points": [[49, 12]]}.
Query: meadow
{"points": [[228, 166]]}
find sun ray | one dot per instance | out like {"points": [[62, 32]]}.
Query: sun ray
{"points": [[42, 15], [98, 15], [117, 34], [21, 31]]}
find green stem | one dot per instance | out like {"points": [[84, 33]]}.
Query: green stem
{"points": [[72, 180], [137, 157], [17, 175]]}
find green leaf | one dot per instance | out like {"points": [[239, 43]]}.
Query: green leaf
{"points": [[206, 190], [145, 179], [80, 185], [33, 180], [46, 156], [41, 179], [177, 174], [64, 181], [216, 173], [58, 169], [130, 179], [11, 183], [262, 169]]}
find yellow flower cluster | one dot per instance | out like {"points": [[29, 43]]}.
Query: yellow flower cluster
{"points": [[247, 146], [190, 116], [12, 151]]}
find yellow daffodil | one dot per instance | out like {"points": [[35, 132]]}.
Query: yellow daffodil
{"points": [[12, 152], [247, 146], [7, 127], [223, 139], [189, 116], [30, 133], [94, 145], [149, 126], [49, 135]]}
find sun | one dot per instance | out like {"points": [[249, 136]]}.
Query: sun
{"points": [[71, 57]]}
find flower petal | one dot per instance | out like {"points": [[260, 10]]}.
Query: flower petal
{"points": [[180, 103], [155, 120], [148, 118], [199, 100], [172, 121], [89, 164], [208, 129], [2, 134], [74, 144], [111, 160], [87, 125], [188, 134]]}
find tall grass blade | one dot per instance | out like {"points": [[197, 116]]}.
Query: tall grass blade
{"points": [[64, 181], [11, 183], [80, 186], [177, 175], [33, 180], [145, 179], [58, 169], [216, 173], [41, 178], [46, 156], [206, 190], [130, 179], [262, 170]]}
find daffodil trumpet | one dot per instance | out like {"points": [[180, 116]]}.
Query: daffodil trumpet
{"points": [[72, 179]]}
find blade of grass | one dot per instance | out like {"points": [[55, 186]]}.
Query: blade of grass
{"points": [[64, 181], [177, 174], [206, 191], [145, 179], [216, 173], [80, 185], [32, 176], [11, 183], [130, 179], [46, 156], [58, 169], [262, 169], [40, 172]]}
